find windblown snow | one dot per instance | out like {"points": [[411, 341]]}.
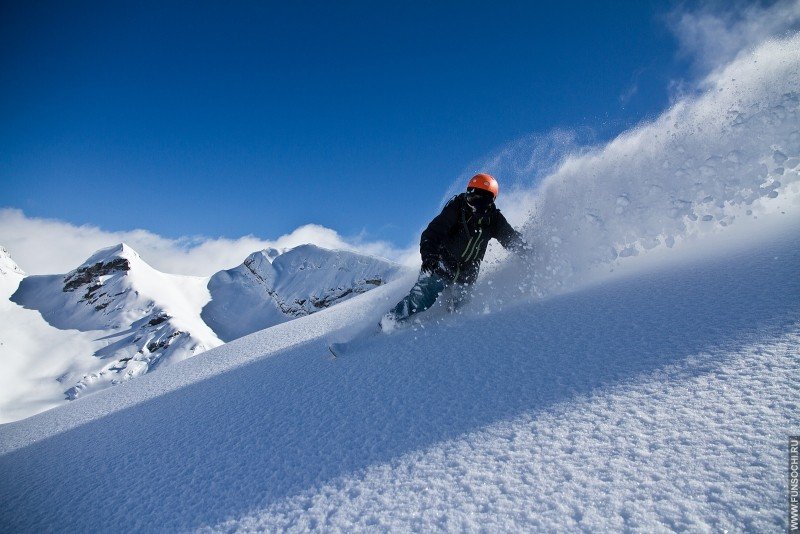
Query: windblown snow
{"points": [[641, 374], [711, 161]]}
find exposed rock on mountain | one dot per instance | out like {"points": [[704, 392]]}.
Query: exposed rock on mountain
{"points": [[115, 317], [263, 291], [144, 317]]}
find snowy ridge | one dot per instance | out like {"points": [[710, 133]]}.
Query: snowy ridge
{"points": [[10, 274], [145, 318], [115, 318], [296, 283]]}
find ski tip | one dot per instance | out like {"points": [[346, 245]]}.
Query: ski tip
{"points": [[339, 349]]}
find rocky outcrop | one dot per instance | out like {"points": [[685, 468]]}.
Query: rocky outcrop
{"points": [[267, 290]]}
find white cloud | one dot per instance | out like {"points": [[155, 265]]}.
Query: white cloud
{"points": [[719, 32], [47, 246]]}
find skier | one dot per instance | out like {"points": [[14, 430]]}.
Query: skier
{"points": [[453, 246]]}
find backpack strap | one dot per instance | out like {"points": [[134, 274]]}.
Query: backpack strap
{"points": [[464, 218]]}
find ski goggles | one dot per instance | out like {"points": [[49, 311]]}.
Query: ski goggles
{"points": [[479, 199]]}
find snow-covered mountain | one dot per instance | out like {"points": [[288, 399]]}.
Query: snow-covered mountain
{"points": [[145, 318], [268, 289], [115, 317], [33, 353]]}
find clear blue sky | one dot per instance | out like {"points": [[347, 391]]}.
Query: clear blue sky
{"points": [[230, 118]]}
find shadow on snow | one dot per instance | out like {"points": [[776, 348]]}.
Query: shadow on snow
{"points": [[222, 448]]}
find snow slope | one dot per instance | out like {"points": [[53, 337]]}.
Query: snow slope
{"points": [[8, 268], [33, 353], [656, 401], [268, 289]]}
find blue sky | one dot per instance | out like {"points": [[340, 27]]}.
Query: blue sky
{"points": [[227, 119]]}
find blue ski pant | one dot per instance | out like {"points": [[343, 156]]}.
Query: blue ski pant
{"points": [[424, 294]]}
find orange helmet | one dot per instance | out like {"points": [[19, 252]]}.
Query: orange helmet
{"points": [[485, 182]]}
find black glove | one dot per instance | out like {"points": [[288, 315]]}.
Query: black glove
{"points": [[429, 264]]}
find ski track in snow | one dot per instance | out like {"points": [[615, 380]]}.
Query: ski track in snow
{"points": [[655, 402]]}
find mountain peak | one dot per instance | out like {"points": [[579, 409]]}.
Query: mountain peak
{"points": [[295, 283], [117, 259], [310, 256], [309, 247], [265, 255], [105, 255]]}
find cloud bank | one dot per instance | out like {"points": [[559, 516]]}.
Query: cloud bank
{"points": [[48, 246]]}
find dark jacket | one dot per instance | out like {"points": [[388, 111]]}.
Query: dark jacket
{"points": [[458, 236]]}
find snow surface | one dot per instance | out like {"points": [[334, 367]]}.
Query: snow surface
{"points": [[8, 267], [32, 352], [657, 401]]}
